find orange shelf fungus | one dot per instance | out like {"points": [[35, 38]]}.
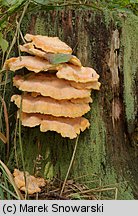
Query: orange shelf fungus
{"points": [[49, 44], [30, 48], [77, 74], [67, 127], [32, 63], [88, 85], [49, 85], [50, 106], [32, 185], [56, 91]]}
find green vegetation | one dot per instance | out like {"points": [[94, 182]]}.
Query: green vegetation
{"points": [[10, 8], [8, 188], [130, 44], [11, 15]]}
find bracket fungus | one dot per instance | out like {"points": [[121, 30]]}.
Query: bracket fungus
{"points": [[48, 44], [56, 91], [32, 184], [77, 74], [50, 106], [30, 48], [67, 127], [32, 63], [49, 85]]}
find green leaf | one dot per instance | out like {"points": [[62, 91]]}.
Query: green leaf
{"points": [[43, 2], [134, 1], [58, 58], [3, 43], [47, 2], [9, 3]]}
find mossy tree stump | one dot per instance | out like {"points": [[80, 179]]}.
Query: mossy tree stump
{"points": [[108, 150]]}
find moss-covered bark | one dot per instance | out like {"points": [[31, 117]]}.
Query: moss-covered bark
{"points": [[105, 151]]}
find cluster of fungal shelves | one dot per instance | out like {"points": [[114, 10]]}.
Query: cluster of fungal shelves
{"points": [[56, 91]]}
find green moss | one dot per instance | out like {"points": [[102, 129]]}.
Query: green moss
{"points": [[130, 43], [40, 25], [97, 135], [112, 180], [90, 153]]}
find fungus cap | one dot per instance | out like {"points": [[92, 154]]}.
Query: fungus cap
{"points": [[49, 85], [33, 184], [48, 44], [30, 48], [32, 63], [77, 74], [88, 85], [50, 106], [67, 127]]}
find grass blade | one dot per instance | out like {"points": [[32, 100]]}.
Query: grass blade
{"points": [[6, 122], [8, 191], [1, 193], [10, 177], [3, 138]]}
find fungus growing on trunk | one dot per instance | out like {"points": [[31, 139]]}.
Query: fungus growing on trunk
{"points": [[30, 48], [77, 74], [32, 63], [49, 85], [50, 106], [54, 101], [88, 85], [48, 44], [67, 127]]}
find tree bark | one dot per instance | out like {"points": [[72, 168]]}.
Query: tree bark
{"points": [[106, 153]]}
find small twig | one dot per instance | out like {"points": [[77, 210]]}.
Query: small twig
{"points": [[14, 143], [18, 42], [91, 181], [22, 36], [95, 190], [70, 165], [55, 190], [80, 189], [100, 194], [116, 193], [21, 148], [73, 188], [86, 175]]}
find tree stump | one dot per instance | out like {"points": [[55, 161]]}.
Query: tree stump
{"points": [[107, 152]]}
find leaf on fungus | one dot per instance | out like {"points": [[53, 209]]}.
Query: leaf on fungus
{"points": [[50, 106], [58, 58], [32, 63], [51, 57], [77, 74], [49, 44], [67, 127], [49, 85]]}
